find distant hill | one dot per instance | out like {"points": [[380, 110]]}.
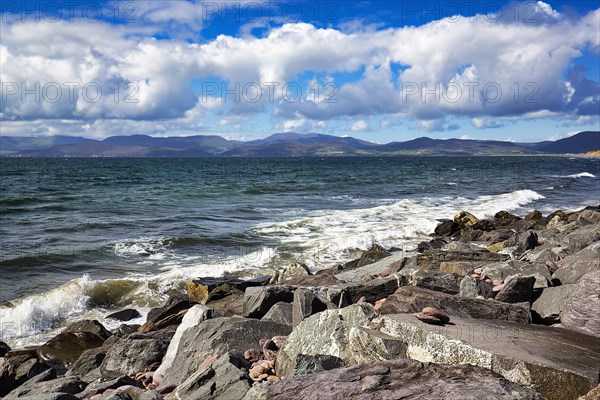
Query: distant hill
{"points": [[280, 145], [581, 142]]}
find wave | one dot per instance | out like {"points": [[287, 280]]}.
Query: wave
{"points": [[576, 176]]}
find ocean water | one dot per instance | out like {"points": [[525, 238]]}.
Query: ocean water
{"points": [[83, 236]]}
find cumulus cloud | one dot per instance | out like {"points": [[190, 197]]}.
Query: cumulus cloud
{"points": [[360, 126]]}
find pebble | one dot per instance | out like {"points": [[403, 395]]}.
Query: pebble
{"points": [[273, 378], [476, 276], [478, 271], [498, 288], [430, 319], [497, 282], [434, 312], [362, 300], [378, 304], [252, 355], [386, 272]]}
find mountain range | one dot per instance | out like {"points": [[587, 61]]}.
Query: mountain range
{"points": [[280, 145]]}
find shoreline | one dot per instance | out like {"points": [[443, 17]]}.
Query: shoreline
{"points": [[528, 278]]}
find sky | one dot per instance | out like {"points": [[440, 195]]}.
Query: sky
{"points": [[381, 71]]}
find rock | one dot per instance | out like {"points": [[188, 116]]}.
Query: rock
{"points": [[578, 264], [465, 219], [7, 376], [412, 300], [444, 282], [434, 244], [484, 289], [50, 396], [461, 268], [192, 319], [225, 379], [531, 241], [288, 272], [468, 287], [498, 270], [373, 290], [533, 216], [66, 384], [218, 336], [580, 311], [28, 370], [91, 326], [131, 354], [4, 348], [317, 280], [375, 253], [483, 225], [252, 356], [504, 218], [517, 290], [326, 333], [429, 319], [97, 387], [518, 352], [499, 235], [447, 229], [307, 303], [88, 360], [172, 307], [230, 305], [205, 290], [66, 347], [309, 364], [125, 315], [259, 300], [125, 329], [280, 313], [547, 308], [431, 259], [396, 379], [434, 312], [593, 394], [394, 263]]}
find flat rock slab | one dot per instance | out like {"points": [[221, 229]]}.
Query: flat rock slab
{"points": [[392, 262], [559, 363], [397, 379]]}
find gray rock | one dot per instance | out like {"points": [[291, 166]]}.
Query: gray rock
{"points": [[28, 370], [88, 325], [309, 364], [7, 376], [218, 336], [4, 348], [225, 379], [50, 396], [97, 387], [498, 270], [66, 347], [394, 263], [518, 352], [413, 300], [290, 271], [549, 306], [88, 360], [580, 311], [326, 333], [280, 313], [170, 314], [124, 315], [517, 290], [132, 354], [372, 290], [307, 303], [192, 319], [445, 282], [66, 384], [468, 287], [259, 300], [397, 379], [578, 264]]}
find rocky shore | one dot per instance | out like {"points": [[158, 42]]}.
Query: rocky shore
{"points": [[505, 308]]}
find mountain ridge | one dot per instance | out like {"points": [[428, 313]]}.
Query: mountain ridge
{"points": [[281, 145]]}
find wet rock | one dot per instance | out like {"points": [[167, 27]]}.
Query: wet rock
{"points": [[373, 290], [259, 300], [125, 315], [393, 263], [533, 216], [326, 333], [191, 321], [504, 218], [218, 336], [280, 313], [517, 290], [434, 244], [375, 253], [483, 225], [518, 352], [125, 329], [397, 379], [225, 379], [28, 370], [66, 347], [580, 311], [91, 326], [230, 305], [412, 300], [307, 303], [205, 290], [465, 219], [317, 280], [131, 354], [548, 307], [288, 272], [447, 229], [173, 306]]}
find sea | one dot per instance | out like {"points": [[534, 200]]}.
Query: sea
{"points": [[81, 237]]}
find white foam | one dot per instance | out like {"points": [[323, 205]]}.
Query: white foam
{"points": [[576, 176], [451, 183]]}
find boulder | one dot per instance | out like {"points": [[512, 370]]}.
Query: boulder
{"points": [[373, 254], [100, 386], [218, 336], [7, 376], [504, 218], [580, 311], [166, 316], [393, 263], [326, 333], [290, 271], [517, 290], [578, 264], [4, 348], [412, 300], [131, 354], [50, 396], [204, 290], [395, 379], [230, 305], [65, 384], [173, 306], [259, 300], [125, 315], [66, 347], [224, 379], [461, 268], [447, 229], [372, 290], [465, 219], [516, 351], [91, 326], [280, 313], [309, 364], [28, 370], [498, 235], [317, 280], [445, 282], [533, 216], [88, 360], [468, 287], [307, 303], [192, 319], [548, 307]]}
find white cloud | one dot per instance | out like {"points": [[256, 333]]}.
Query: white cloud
{"points": [[360, 126]]}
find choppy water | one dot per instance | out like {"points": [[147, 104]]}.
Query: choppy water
{"points": [[83, 236]]}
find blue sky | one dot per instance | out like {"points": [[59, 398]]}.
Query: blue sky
{"points": [[378, 70]]}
